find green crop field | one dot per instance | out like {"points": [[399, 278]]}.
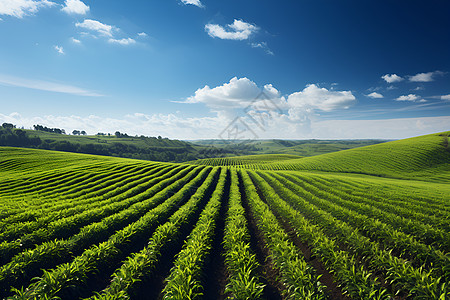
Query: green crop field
{"points": [[365, 223]]}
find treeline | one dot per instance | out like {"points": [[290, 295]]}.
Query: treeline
{"points": [[158, 149], [119, 145], [46, 129], [10, 136]]}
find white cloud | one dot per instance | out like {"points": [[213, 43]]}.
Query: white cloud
{"points": [[75, 7], [238, 93], [124, 41], [142, 34], [21, 8], [243, 98], [425, 77], [59, 49], [177, 126], [239, 30], [375, 95], [76, 41], [391, 78], [94, 25], [262, 45], [380, 129], [45, 86], [410, 97], [315, 98], [193, 2], [445, 97]]}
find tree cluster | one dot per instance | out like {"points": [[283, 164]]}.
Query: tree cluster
{"points": [[77, 132], [10, 136], [46, 129]]}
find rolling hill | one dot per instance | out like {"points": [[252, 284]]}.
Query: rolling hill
{"points": [[424, 157], [79, 226]]}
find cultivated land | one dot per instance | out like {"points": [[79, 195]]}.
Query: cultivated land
{"points": [[365, 223]]}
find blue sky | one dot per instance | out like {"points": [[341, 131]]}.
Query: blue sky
{"points": [[187, 69]]}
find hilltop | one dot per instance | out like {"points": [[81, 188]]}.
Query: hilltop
{"points": [[426, 157]]}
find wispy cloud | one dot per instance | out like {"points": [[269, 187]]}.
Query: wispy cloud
{"points": [[21, 8], [59, 49], [76, 41], [193, 2], [391, 78], [75, 7], [263, 46], [45, 86], [177, 126], [239, 30], [104, 30], [96, 26], [123, 42], [425, 77]]}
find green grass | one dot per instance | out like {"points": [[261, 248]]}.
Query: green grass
{"points": [[244, 160], [374, 221], [423, 158]]}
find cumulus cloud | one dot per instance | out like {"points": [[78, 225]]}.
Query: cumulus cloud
{"points": [[425, 77], [123, 42], [263, 46], [96, 26], [142, 34], [238, 93], [239, 30], [375, 95], [391, 78], [266, 108], [192, 2], [45, 86], [59, 49], [314, 97], [75, 7], [21, 8], [410, 97], [445, 97]]}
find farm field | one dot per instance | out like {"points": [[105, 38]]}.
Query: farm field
{"points": [[365, 223]]}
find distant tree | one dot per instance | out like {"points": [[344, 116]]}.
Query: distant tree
{"points": [[76, 132], [118, 134], [46, 129], [159, 137], [83, 132], [8, 126]]}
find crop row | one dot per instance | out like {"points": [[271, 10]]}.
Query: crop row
{"points": [[402, 275], [28, 263]]}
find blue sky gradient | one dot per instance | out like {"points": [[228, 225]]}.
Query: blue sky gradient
{"points": [[142, 67]]}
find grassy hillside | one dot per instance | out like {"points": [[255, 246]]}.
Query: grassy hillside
{"points": [[426, 157], [78, 226], [244, 160], [148, 148], [291, 147]]}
